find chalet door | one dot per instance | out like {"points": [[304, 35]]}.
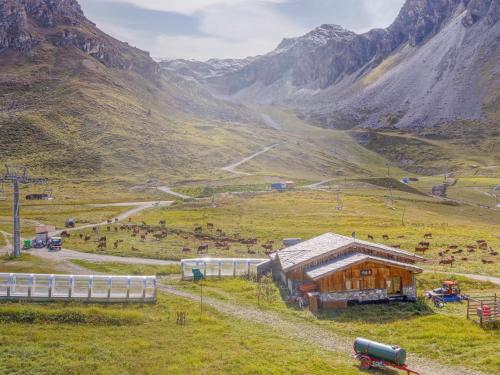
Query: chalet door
{"points": [[393, 285]]}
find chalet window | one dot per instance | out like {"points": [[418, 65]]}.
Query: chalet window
{"points": [[348, 284]]}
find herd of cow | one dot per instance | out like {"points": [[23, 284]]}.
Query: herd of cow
{"points": [[447, 256], [211, 237]]}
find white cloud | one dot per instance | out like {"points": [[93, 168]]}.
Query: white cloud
{"points": [[190, 7], [228, 28]]}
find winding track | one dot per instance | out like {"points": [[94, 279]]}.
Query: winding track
{"points": [[232, 167]]}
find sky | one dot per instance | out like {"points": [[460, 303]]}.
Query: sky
{"points": [[204, 29]]}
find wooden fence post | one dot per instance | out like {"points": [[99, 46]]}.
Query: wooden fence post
{"points": [[481, 315], [468, 304]]}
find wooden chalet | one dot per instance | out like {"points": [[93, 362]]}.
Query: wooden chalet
{"points": [[334, 270]]}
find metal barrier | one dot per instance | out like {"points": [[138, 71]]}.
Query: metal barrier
{"points": [[94, 288], [221, 267]]}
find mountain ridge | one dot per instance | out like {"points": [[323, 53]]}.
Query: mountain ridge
{"points": [[326, 83]]}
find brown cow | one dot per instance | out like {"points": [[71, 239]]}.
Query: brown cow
{"points": [[202, 249], [453, 247], [81, 236], [421, 249], [267, 246], [487, 261], [87, 238], [424, 244], [428, 235], [370, 237], [186, 249], [459, 251], [210, 226], [385, 237], [448, 261]]}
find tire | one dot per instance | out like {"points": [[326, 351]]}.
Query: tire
{"points": [[366, 363]]}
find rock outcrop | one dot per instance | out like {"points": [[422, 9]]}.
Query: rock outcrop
{"points": [[24, 24]]}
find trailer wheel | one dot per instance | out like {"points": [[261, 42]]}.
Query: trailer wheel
{"points": [[366, 363]]}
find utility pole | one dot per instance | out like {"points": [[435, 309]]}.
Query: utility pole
{"points": [[17, 176]]}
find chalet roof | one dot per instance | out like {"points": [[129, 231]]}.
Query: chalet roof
{"points": [[329, 242], [349, 260]]}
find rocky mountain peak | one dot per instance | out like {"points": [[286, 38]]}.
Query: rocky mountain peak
{"points": [[318, 37], [24, 24]]}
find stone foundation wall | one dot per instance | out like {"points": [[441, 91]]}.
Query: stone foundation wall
{"points": [[410, 292], [355, 295]]}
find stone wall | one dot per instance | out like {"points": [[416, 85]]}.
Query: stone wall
{"points": [[355, 295]]}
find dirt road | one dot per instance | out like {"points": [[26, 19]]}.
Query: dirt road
{"points": [[139, 206], [66, 254], [309, 332], [232, 167], [167, 190]]}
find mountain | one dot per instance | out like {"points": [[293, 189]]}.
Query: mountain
{"points": [[436, 64], [75, 101]]}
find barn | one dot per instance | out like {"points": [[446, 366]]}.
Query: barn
{"points": [[334, 271]]}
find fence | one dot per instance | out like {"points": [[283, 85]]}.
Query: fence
{"points": [[483, 309], [221, 267], [44, 287]]}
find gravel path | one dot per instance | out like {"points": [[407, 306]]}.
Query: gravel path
{"points": [[167, 190], [66, 254], [310, 333], [491, 279], [232, 167]]}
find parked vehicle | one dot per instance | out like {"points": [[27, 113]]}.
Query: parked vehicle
{"points": [[38, 243], [26, 244], [372, 354], [55, 244], [70, 223], [449, 292]]}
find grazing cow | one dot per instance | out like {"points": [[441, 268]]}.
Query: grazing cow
{"points": [[428, 235], [134, 249], [398, 246], [441, 253], [267, 246], [81, 236], [116, 220], [109, 221], [163, 223], [101, 245], [421, 249], [465, 259], [186, 249], [198, 230], [483, 246], [250, 251], [202, 249], [449, 261], [453, 247], [424, 244], [385, 237], [479, 242], [87, 238], [471, 247], [487, 261], [470, 250], [459, 251], [94, 229], [158, 236], [494, 253], [402, 236], [370, 237], [210, 226], [103, 239]]}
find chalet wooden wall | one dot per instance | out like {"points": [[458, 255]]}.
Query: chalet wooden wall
{"points": [[339, 281]]}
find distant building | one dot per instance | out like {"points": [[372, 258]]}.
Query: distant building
{"points": [[42, 232], [39, 197], [284, 185]]}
